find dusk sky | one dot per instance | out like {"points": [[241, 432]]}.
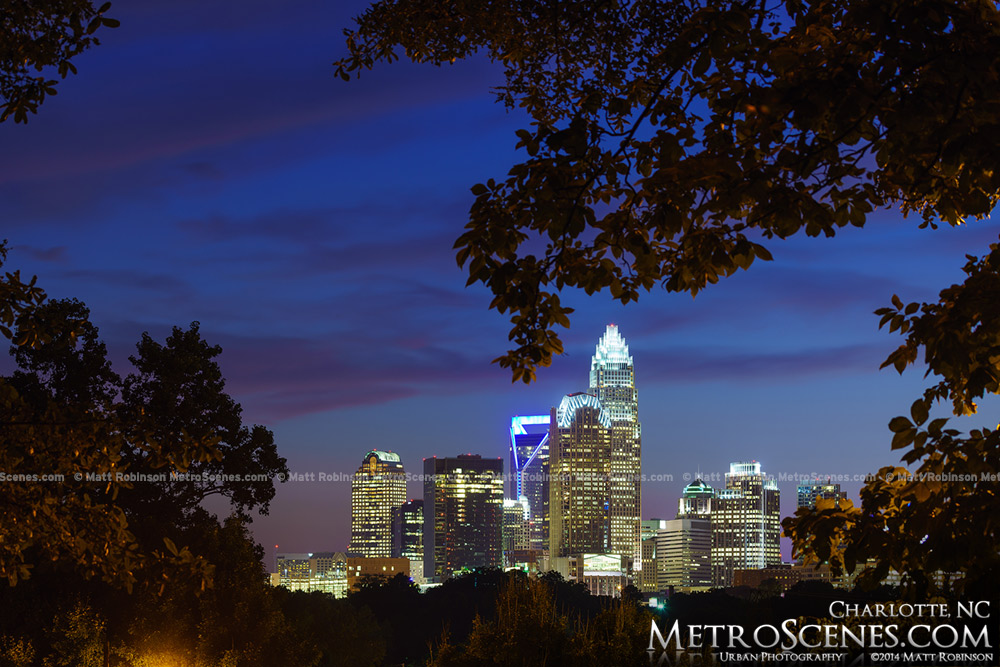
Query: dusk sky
{"points": [[205, 164]]}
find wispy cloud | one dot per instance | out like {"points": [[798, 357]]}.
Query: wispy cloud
{"points": [[711, 365], [54, 254], [280, 377]]}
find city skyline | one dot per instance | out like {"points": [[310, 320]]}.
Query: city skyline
{"points": [[310, 231], [693, 502]]}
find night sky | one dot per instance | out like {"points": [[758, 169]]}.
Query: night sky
{"points": [[205, 164]]}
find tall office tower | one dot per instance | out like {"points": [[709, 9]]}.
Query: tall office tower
{"points": [[808, 493], [645, 570], [463, 514], [377, 488], [684, 555], [579, 463], [745, 523], [612, 381], [529, 472], [684, 545], [516, 528], [408, 536]]}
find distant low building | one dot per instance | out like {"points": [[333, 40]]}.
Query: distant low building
{"points": [[531, 562], [645, 576], [602, 574], [321, 571], [786, 574], [942, 580], [386, 568]]}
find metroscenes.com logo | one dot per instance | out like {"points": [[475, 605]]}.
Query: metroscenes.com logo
{"points": [[963, 633]]}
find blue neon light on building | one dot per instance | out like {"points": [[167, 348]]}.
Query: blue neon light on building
{"points": [[529, 462]]}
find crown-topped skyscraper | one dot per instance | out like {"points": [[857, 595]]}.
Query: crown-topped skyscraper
{"points": [[377, 488], [612, 381]]}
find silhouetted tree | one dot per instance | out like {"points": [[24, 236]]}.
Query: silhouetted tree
{"points": [[177, 395], [619, 635], [342, 634], [529, 627], [67, 414], [397, 605], [69, 426], [526, 629], [39, 37]]}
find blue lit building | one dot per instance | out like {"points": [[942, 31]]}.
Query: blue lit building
{"points": [[529, 467]]}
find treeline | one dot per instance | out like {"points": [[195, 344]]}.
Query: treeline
{"points": [[486, 617], [490, 617]]}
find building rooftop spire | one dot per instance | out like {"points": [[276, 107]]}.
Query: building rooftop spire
{"points": [[612, 347]]}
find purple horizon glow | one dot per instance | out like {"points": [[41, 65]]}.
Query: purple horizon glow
{"points": [[206, 165]]}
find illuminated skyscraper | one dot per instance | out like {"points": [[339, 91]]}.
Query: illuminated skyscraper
{"points": [[463, 514], [516, 529], [745, 523], [580, 464], [612, 381], [529, 472], [645, 571], [408, 536], [377, 488], [684, 546]]}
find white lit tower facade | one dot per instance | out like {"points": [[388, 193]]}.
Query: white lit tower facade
{"points": [[746, 523], [684, 545], [377, 488], [579, 465], [612, 381]]}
